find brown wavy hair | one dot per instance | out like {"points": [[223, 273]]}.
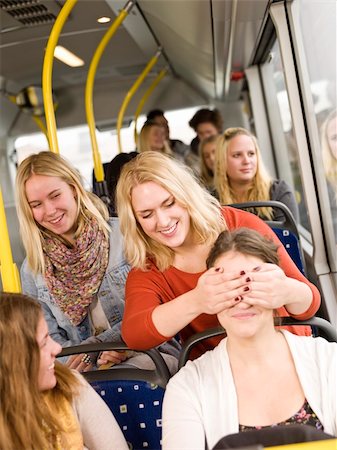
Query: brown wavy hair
{"points": [[26, 422]]}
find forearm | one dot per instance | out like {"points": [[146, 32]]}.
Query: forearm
{"points": [[150, 327], [170, 318], [300, 297]]}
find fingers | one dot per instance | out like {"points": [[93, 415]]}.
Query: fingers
{"points": [[81, 363], [115, 357]]}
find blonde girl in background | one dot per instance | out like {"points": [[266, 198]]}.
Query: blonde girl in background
{"points": [[207, 151], [152, 138], [240, 175]]}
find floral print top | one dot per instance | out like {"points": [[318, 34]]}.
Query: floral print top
{"points": [[305, 416]]}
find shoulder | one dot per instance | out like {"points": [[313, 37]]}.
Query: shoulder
{"points": [[236, 218], [308, 347], [279, 187], [200, 372]]}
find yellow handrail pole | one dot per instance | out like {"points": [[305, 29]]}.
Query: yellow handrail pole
{"points": [[147, 94], [9, 272], [47, 74], [131, 93], [98, 167]]}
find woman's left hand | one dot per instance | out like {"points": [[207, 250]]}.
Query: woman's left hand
{"points": [[271, 288], [112, 356], [81, 363]]}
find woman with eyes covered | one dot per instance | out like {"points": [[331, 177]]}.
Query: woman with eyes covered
{"points": [[258, 377], [240, 175], [169, 223]]}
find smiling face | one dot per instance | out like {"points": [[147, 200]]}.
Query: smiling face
{"points": [[53, 204], [48, 351], [161, 217], [243, 320], [241, 159]]}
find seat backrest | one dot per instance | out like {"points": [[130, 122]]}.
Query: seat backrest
{"points": [[320, 326], [134, 396], [286, 230]]}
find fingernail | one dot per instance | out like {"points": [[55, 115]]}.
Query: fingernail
{"points": [[238, 298], [256, 269], [242, 272], [246, 288], [219, 269], [248, 279]]}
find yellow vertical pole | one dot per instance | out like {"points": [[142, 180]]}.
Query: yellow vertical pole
{"points": [[146, 95], [47, 74], [131, 93], [9, 272], [98, 167]]}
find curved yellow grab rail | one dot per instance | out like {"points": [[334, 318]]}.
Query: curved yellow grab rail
{"points": [[131, 93], [98, 167], [41, 125], [9, 272], [47, 74], [147, 94]]}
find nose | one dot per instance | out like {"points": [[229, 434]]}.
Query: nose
{"points": [[162, 219], [245, 159], [57, 348], [243, 305], [49, 209]]}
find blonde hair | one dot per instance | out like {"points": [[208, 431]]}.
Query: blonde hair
{"points": [[204, 210], [260, 187], [329, 161], [88, 204], [26, 421], [144, 144], [206, 175]]}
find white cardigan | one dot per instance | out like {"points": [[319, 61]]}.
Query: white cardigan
{"points": [[200, 404]]}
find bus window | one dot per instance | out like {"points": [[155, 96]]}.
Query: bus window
{"points": [[317, 25], [282, 129]]}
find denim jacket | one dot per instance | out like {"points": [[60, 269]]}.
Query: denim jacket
{"points": [[110, 294]]}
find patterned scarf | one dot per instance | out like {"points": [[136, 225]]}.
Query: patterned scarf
{"points": [[73, 275]]}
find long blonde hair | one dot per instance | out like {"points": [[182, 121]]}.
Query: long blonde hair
{"points": [[204, 210], [261, 184], [329, 161], [26, 422], [206, 175], [144, 144], [88, 205]]}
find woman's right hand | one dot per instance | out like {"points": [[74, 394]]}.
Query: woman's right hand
{"points": [[81, 362], [217, 290]]}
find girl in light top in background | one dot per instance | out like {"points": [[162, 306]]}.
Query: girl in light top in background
{"points": [[240, 175], [169, 223], [44, 405], [257, 377], [152, 138], [207, 149]]}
